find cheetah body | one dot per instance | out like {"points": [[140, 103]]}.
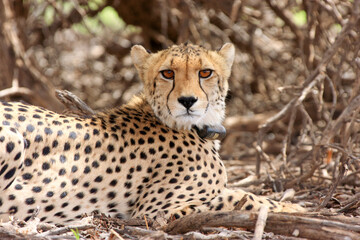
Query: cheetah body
{"points": [[139, 159]]}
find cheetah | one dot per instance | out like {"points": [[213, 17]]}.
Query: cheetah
{"points": [[142, 158]]}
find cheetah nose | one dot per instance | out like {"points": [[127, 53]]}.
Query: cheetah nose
{"points": [[187, 101]]}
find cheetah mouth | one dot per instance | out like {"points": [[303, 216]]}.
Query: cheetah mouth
{"points": [[188, 115]]}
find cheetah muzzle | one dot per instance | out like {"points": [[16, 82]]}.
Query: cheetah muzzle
{"points": [[137, 159]]}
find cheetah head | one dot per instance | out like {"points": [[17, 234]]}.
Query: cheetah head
{"points": [[186, 84]]}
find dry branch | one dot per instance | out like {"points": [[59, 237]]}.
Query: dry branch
{"points": [[261, 223], [312, 80], [304, 225], [73, 103], [58, 231]]}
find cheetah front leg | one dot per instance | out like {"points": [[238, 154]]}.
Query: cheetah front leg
{"points": [[230, 200], [12, 147]]}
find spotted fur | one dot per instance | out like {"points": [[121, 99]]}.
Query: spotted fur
{"points": [[138, 159]]}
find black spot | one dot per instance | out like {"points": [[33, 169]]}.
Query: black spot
{"points": [[113, 183], [49, 208], [111, 195], [62, 172], [87, 169], [46, 180], [38, 138], [162, 138], [249, 207], [143, 155], [3, 169], [72, 135], [36, 189], [169, 195], [29, 201], [98, 179], [110, 148], [28, 162], [87, 149], [27, 176], [66, 146], [63, 194], [173, 180], [11, 197], [45, 166], [179, 150], [166, 206], [55, 143], [123, 160], [76, 208], [74, 181], [13, 210], [95, 164], [35, 155], [80, 195], [48, 131], [50, 194], [7, 116], [10, 147], [17, 156], [30, 128], [93, 190], [46, 151], [64, 205], [219, 207]]}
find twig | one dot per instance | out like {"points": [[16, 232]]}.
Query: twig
{"points": [[350, 203], [235, 11], [146, 222], [66, 229], [73, 103], [261, 222], [112, 231], [10, 30], [310, 82], [280, 13]]}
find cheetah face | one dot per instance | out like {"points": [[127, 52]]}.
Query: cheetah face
{"points": [[186, 85]]}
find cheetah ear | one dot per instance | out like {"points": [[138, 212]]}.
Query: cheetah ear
{"points": [[228, 52], [139, 55]]}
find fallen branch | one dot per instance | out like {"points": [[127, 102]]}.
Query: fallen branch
{"points": [[303, 225]]}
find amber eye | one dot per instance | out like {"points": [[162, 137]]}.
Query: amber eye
{"points": [[206, 73], [167, 74]]}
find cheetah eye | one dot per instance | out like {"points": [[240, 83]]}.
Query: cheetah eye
{"points": [[206, 73], [167, 74]]}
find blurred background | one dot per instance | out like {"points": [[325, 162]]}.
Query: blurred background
{"points": [[286, 50]]}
